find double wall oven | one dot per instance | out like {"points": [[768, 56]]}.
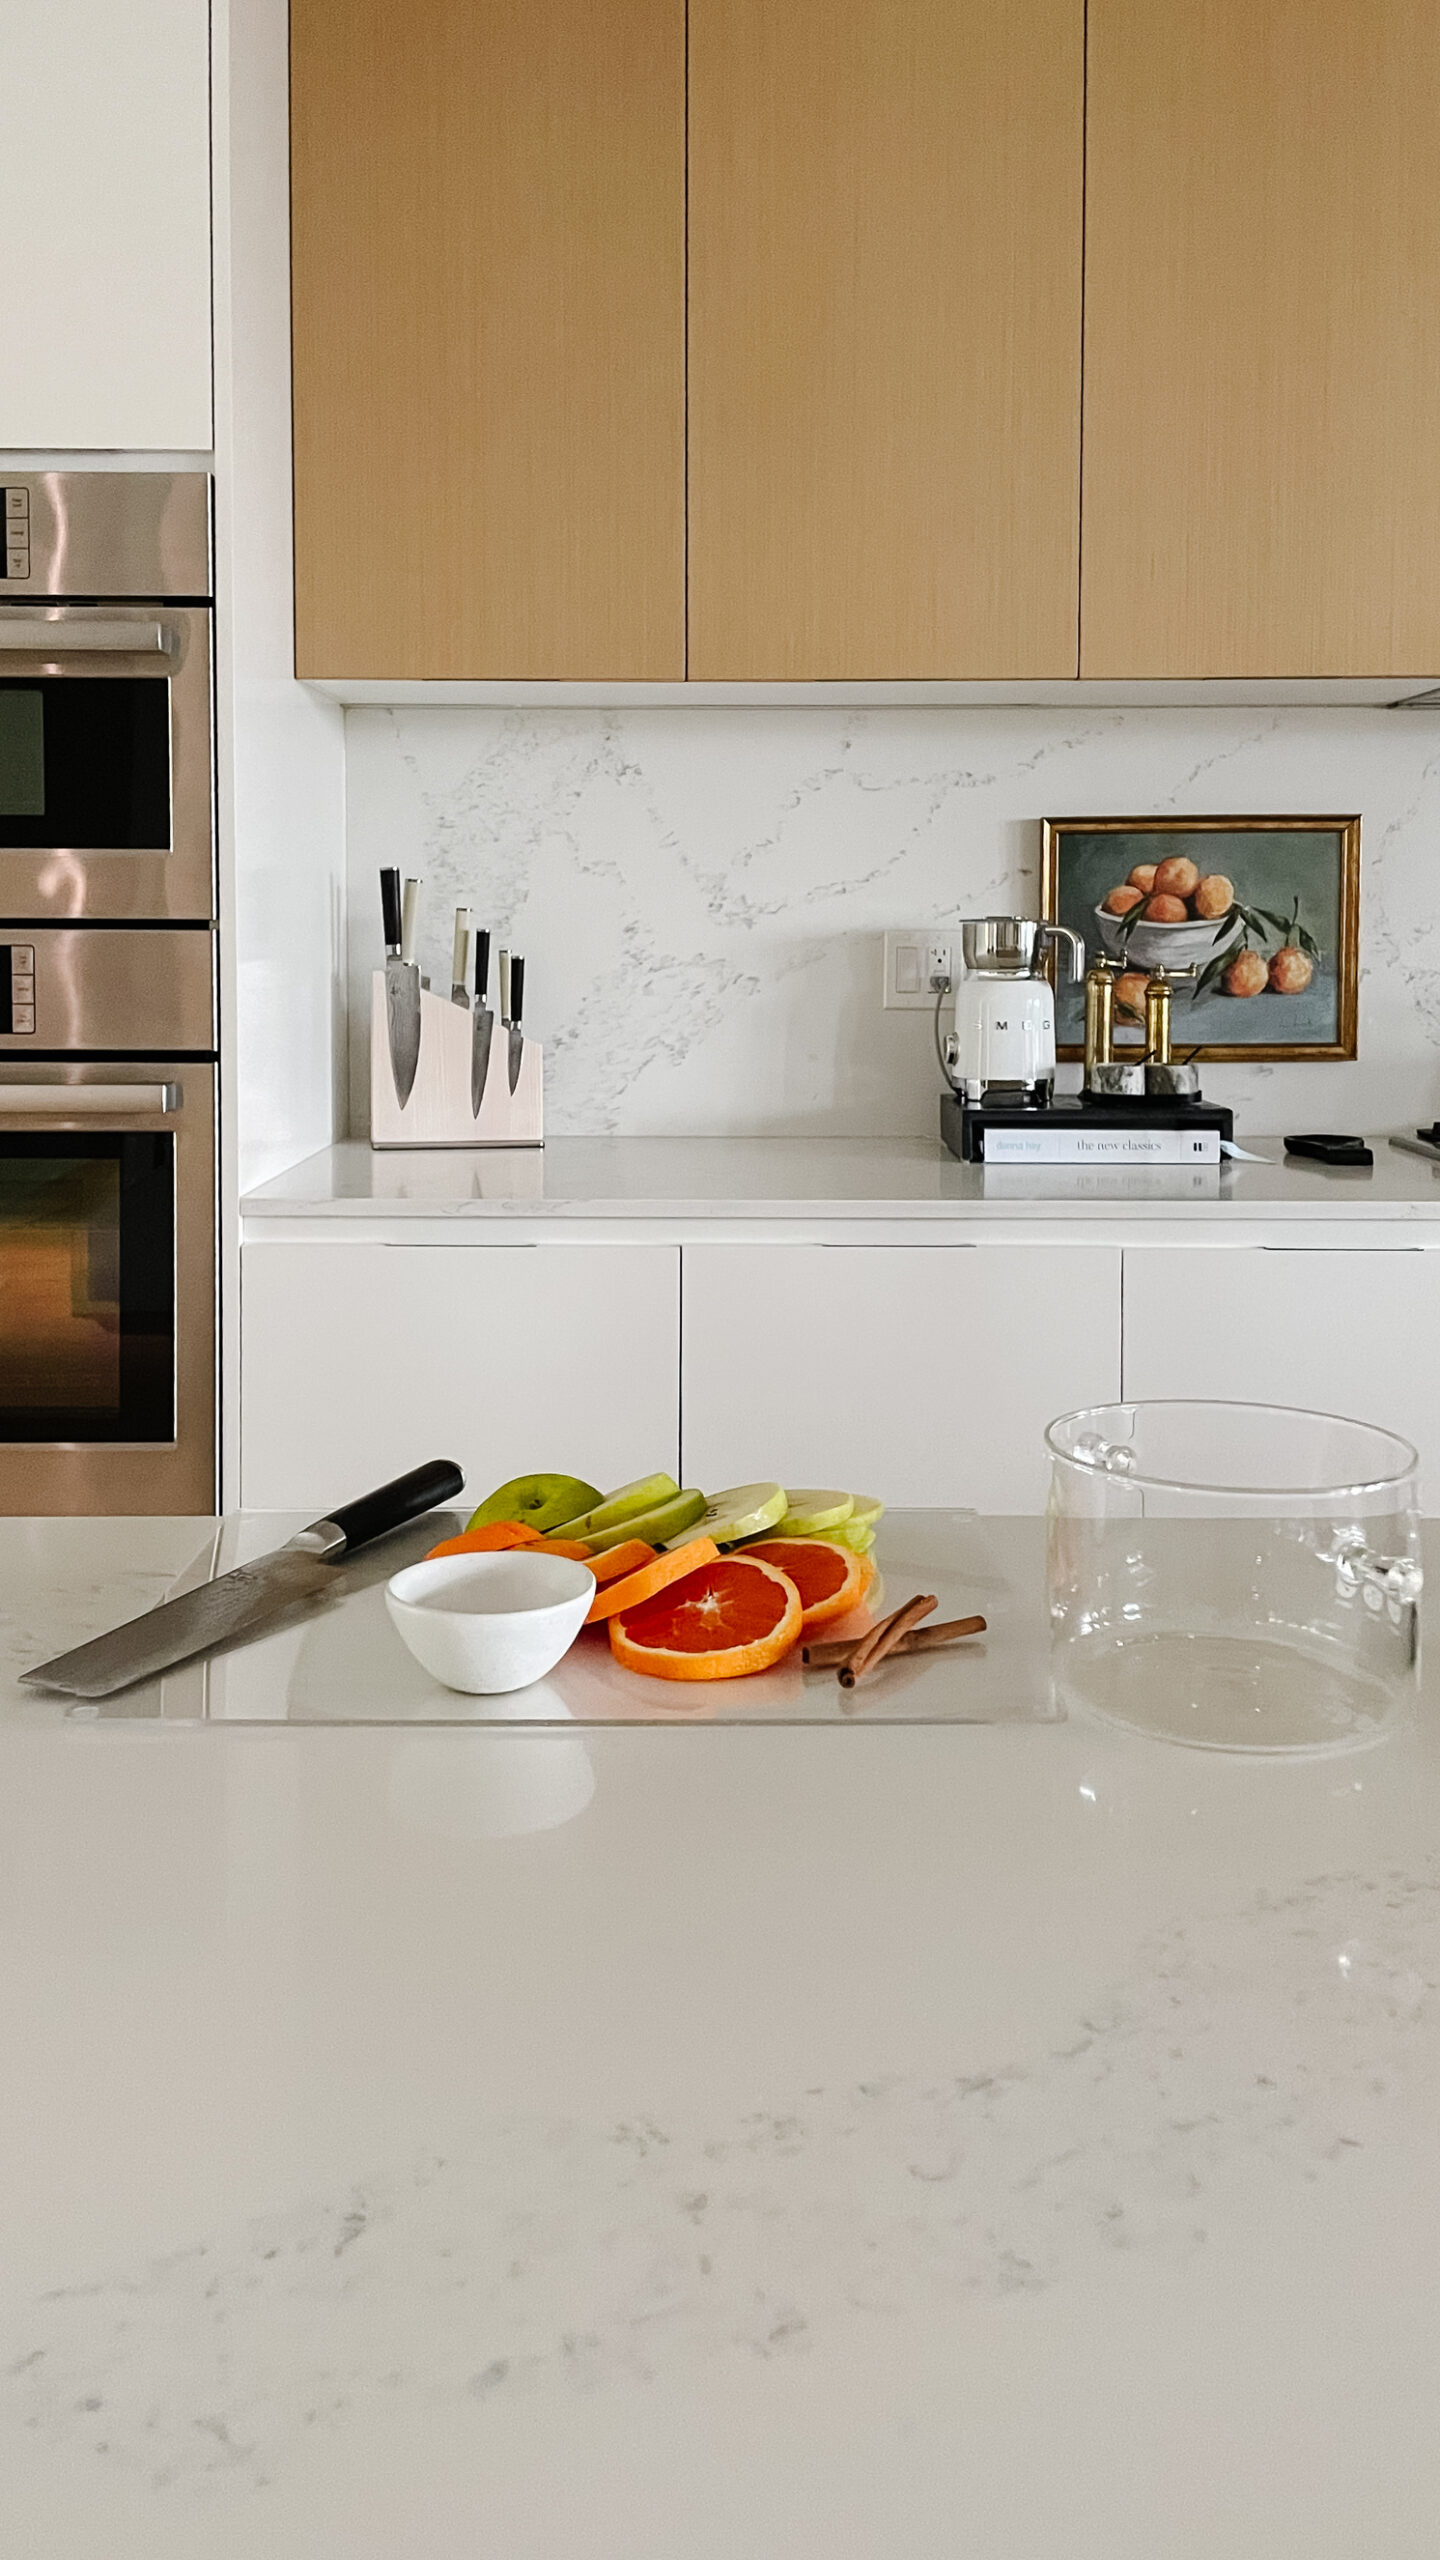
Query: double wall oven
{"points": [[107, 994]]}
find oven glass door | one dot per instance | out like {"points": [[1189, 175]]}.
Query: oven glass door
{"points": [[87, 1286], [85, 762]]}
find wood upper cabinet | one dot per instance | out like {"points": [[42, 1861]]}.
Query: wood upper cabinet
{"points": [[488, 208], [885, 276], [1262, 355]]}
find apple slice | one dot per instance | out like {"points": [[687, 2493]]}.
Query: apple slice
{"points": [[743, 1511], [659, 1528], [811, 1510], [645, 1494], [541, 1502], [867, 1510]]}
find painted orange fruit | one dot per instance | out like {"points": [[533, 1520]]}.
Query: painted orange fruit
{"points": [[1291, 970], [1143, 877], [830, 1580], [1120, 901], [735, 1615], [1247, 975], [1177, 876], [1163, 910]]}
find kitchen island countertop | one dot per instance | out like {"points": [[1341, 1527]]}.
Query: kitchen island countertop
{"points": [[733, 2142]]}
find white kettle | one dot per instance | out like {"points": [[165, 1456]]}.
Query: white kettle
{"points": [[1003, 1044]]}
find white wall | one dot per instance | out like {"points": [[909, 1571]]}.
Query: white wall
{"points": [[699, 893]]}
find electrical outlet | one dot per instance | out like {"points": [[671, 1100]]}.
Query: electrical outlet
{"points": [[912, 959]]}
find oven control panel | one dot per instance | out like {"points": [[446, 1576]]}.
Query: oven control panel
{"points": [[17, 987], [15, 517]]}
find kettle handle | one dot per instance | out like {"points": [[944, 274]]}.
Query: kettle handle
{"points": [[1058, 933]]}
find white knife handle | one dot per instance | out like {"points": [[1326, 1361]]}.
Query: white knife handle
{"points": [[460, 956], [409, 918], [504, 986]]}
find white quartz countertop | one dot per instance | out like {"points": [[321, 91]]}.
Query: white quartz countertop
{"points": [[737, 2141], [679, 1180]]}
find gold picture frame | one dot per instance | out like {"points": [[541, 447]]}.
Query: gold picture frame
{"points": [[1278, 888]]}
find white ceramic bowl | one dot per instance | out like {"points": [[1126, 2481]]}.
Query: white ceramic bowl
{"points": [[1168, 946], [487, 1624]]}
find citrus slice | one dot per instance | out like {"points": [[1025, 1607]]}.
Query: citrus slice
{"points": [[491, 1540], [647, 1579], [616, 1562], [733, 1616], [742, 1511], [808, 1509], [830, 1580]]}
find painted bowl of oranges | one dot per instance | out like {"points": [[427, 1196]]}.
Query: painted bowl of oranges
{"points": [[1169, 915]]}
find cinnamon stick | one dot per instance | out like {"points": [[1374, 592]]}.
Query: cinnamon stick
{"points": [[828, 1657], [884, 1638]]}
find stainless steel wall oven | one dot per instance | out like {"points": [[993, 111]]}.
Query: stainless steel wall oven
{"points": [[107, 995]]}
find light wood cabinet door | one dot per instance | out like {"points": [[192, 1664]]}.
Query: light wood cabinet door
{"points": [[359, 1361], [488, 242], [1348, 1333], [1262, 361], [917, 1373], [884, 354]]}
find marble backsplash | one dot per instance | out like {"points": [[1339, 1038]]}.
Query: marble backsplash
{"points": [[701, 893]]}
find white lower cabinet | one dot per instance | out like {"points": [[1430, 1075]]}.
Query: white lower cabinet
{"points": [[1355, 1333], [361, 1360], [917, 1373]]}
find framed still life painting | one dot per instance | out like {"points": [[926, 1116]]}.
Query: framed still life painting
{"points": [[1258, 920]]}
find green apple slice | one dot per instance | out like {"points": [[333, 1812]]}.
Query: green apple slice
{"points": [[867, 1510], [742, 1511], [857, 1535], [645, 1494], [809, 1510], [540, 1502], [663, 1527]]}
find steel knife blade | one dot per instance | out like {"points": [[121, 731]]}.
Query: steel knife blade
{"points": [[460, 960], [402, 986], [484, 1026], [239, 1602], [517, 1008]]}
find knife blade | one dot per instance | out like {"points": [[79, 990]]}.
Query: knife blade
{"points": [[460, 960], [484, 1026], [517, 1008], [402, 985], [241, 1601]]}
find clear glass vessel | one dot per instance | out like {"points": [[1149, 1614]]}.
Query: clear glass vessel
{"points": [[1240, 1576]]}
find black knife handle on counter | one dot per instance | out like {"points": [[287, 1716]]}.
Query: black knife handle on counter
{"points": [[393, 1504], [517, 988], [482, 964], [390, 908]]}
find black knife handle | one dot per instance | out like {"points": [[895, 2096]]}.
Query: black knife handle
{"points": [[517, 987], [482, 964], [390, 908], [393, 1504]]}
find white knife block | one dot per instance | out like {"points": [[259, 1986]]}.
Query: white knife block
{"points": [[438, 1112]]}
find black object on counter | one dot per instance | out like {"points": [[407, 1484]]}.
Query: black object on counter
{"points": [[1330, 1149], [963, 1124]]}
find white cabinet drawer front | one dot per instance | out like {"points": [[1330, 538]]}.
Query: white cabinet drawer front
{"points": [[1355, 1333], [917, 1374], [361, 1360], [105, 204]]}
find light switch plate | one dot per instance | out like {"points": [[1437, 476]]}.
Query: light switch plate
{"points": [[912, 959]]}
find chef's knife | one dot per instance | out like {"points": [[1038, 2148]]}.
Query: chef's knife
{"points": [[242, 1601], [504, 968], [484, 1026], [517, 1008], [402, 983], [460, 960]]}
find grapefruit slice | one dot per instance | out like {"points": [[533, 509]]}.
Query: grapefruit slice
{"points": [[645, 1580], [830, 1580], [732, 1616]]}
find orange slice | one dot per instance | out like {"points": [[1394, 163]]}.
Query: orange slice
{"points": [[648, 1579], [493, 1539], [732, 1616], [830, 1580], [616, 1562]]}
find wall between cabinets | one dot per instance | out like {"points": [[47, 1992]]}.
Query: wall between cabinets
{"points": [[700, 893]]}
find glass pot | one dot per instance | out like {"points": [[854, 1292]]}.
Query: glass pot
{"points": [[1240, 1576]]}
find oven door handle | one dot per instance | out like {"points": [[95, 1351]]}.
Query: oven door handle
{"points": [[65, 633], [89, 1101]]}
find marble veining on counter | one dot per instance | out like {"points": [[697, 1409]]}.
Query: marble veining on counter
{"points": [[561, 2257]]}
